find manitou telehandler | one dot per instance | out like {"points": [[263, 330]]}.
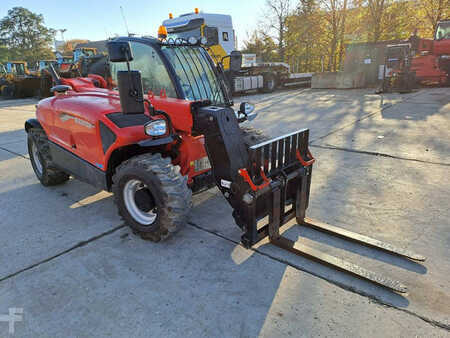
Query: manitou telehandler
{"points": [[170, 131]]}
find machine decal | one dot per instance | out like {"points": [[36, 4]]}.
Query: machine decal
{"points": [[66, 117]]}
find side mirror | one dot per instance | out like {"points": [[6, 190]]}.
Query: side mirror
{"points": [[60, 89], [119, 51], [247, 109], [131, 92], [235, 61]]}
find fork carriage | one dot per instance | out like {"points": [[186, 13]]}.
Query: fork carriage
{"points": [[268, 185]]}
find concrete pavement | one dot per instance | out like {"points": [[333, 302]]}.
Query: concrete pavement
{"points": [[76, 271]]}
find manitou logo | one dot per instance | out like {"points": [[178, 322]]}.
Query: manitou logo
{"points": [[15, 315]]}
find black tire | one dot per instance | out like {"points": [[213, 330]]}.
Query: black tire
{"points": [[41, 159], [270, 83], [163, 192], [8, 92], [253, 136]]}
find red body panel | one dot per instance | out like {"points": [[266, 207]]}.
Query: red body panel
{"points": [[429, 64], [71, 120], [191, 149], [441, 47], [427, 68], [178, 110]]}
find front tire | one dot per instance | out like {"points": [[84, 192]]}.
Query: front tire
{"points": [[41, 159], [152, 196], [8, 92], [253, 136]]}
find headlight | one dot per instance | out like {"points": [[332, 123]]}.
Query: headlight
{"points": [[203, 40], [156, 128], [193, 40]]}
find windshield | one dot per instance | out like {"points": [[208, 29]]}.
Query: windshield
{"points": [[88, 52], [443, 31], [185, 34], [195, 73], [19, 69], [153, 71]]}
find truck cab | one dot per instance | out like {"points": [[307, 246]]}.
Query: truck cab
{"points": [[185, 72], [216, 28], [217, 33], [442, 40], [443, 30]]}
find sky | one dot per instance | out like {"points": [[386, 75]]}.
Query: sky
{"points": [[100, 19]]}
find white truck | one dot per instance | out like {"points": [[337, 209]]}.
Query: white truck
{"points": [[218, 33]]}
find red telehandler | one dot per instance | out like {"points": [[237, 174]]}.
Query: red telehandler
{"points": [[154, 151], [431, 62]]}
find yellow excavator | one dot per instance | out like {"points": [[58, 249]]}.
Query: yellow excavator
{"points": [[18, 81]]}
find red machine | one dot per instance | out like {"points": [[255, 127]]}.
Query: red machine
{"points": [[432, 61], [154, 151]]}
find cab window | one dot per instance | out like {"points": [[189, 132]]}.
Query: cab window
{"points": [[225, 36], [443, 31], [19, 69], [153, 72]]}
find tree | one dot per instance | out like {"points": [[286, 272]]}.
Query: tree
{"points": [[277, 12], [5, 54], [306, 37], [262, 45], [317, 32], [435, 10], [24, 34], [335, 12], [376, 18]]}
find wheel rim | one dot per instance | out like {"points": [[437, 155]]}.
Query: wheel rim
{"points": [[271, 84], [139, 202], [36, 159]]}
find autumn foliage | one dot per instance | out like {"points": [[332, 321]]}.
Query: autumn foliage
{"points": [[314, 33]]}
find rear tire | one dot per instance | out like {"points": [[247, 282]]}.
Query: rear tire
{"points": [[41, 159], [152, 196], [270, 83]]}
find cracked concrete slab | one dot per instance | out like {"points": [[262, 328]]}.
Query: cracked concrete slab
{"points": [[416, 128], [12, 119], [321, 111], [16, 147], [200, 284], [399, 203], [193, 285], [38, 222]]}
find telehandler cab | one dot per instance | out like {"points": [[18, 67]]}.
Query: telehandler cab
{"points": [[170, 131]]}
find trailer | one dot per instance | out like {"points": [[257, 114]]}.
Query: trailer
{"points": [[218, 36]]}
